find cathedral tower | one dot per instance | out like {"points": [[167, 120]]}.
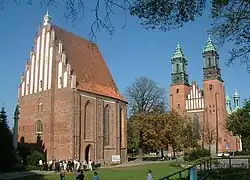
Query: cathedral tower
{"points": [[214, 95], [236, 99], [179, 85]]}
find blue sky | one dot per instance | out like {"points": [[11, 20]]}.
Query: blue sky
{"points": [[129, 53]]}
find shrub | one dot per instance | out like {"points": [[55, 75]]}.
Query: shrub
{"points": [[194, 154], [241, 153], [34, 157]]}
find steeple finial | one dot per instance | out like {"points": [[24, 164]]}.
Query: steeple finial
{"points": [[209, 45], [236, 95], [46, 19], [228, 99], [178, 52]]}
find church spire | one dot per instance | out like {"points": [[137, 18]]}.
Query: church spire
{"points": [[236, 98], [228, 104], [209, 45], [178, 52], [46, 19], [211, 68], [179, 67]]}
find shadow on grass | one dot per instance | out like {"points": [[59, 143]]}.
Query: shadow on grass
{"points": [[23, 175]]}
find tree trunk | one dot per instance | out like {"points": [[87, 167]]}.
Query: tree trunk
{"points": [[162, 155], [140, 154]]}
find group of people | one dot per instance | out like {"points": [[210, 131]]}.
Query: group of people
{"points": [[67, 165], [79, 176], [64, 166]]}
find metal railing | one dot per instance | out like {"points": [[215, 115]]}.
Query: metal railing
{"points": [[227, 168]]}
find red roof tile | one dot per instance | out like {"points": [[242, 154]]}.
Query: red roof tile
{"points": [[88, 64]]}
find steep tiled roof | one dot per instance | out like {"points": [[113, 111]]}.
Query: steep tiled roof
{"points": [[88, 64]]}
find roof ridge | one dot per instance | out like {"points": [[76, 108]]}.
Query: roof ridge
{"points": [[88, 63]]}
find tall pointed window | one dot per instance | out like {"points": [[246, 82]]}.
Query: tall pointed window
{"points": [[196, 125], [209, 62], [39, 127], [121, 126], [106, 125], [177, 68]]}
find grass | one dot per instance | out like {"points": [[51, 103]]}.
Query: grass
{"points": [[138, 172]]}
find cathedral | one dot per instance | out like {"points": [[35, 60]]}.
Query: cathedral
{"points": [[208, 107], [68, 98]]}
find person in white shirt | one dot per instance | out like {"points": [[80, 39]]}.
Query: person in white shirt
{"points": [[149, 176], [41, 164], [90, 165]]}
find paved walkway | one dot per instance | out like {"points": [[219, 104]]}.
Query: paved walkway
{"points": [[14, 175]]}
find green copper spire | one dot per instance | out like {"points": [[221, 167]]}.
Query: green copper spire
{"points": [[179, 67], [228, 99], [236, 98], [236, 95], [178, 52], [228, 105], [209, 46]]}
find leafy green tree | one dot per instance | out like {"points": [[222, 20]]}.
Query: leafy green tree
{"points": [[7, 152], [238, 124], [231, 20], [144, 96], [230, 17]]}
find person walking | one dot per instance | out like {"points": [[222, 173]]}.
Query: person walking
{"points": [[62, 174], [90, 165], [149, 176], [96, 177], [80, 176]]}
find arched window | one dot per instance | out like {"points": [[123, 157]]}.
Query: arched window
{"points": [[196, 125], [177, 68], [39, 127], [106, 125], [121, 126], [209, 62]]}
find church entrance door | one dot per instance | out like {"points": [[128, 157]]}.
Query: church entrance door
{"points": [[87, 153]]}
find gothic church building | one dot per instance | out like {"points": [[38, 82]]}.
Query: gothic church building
{"points": [[207, 107], [68, 97]]}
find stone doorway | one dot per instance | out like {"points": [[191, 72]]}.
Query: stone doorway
{"points": [[88, 152]]}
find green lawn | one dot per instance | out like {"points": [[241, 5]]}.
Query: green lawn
{"points": [[138, 172]]}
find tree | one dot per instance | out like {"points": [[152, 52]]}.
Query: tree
{"points": [[238, 124], [181, 132], [232, 23], [7, 152], [133, 137], [230, 17], [159, 129], [144, 95], [231, 20], [208, 135]]}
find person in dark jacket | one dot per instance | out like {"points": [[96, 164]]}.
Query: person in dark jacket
{"points": [[80, 176]]}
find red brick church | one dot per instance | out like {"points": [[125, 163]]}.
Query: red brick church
{"points": [[68, 97], [207, 106]]}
